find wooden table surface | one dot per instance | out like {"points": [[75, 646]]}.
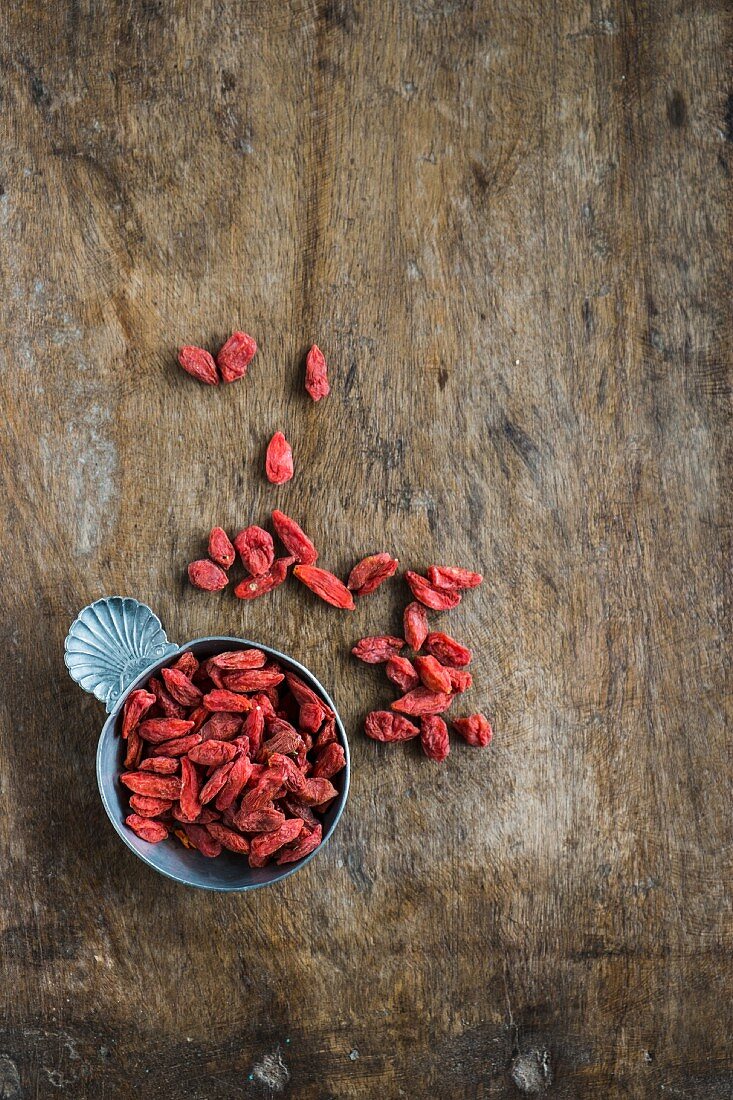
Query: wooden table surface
{"points": [[507, 225]]}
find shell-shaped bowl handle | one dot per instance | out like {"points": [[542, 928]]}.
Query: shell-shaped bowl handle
{"points": [[110, 643]]}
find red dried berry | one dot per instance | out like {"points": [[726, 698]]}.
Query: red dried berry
{"points": [[448, 576], [316, 378], [475, 730], [254, 728], [137, 704], [376, 650], [230, 701], [256, 549], [179, 747], [170, 708], [294, 538], [208, 577], [156, 786], [220, 549], [421, 701], [134, 753], [325, 585], [215, 782], [311, 717], [415, 625], [254, 679], [146, 806], [189, 800], [329, 761], [235, 782], [264, 844], [403, 673], [279, 460], [235, 356], [160, 765], [187, 664], [201, 839], [221, 727], [181, 688], [237, 659], [447, 650], [252, 587], [303, 846], [369, 573], [259, 821], [438, 599], [212, 753], [152, 831], [198, 363], [433, 675], [382, 725], [158, 730], [434, 738], [228, 839], [460, 680]]}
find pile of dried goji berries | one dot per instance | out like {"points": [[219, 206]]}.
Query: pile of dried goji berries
{"points": [[435, 675], [230, 753], [256, 549]]}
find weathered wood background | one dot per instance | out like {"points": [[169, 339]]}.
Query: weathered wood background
{"points": [[507, 224]]}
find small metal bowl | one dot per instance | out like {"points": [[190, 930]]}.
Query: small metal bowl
{"points": [[116, 645]]}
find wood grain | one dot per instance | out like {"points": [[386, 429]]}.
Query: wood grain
{"points": [[507, 224]]}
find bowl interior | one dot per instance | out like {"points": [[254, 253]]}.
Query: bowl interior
{"points": [[228, 872]]}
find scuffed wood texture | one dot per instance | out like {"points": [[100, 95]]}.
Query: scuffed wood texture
{"points": [[507, 225]]}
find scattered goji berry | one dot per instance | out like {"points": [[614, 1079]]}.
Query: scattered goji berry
{"points": [[316, 377], [447, 650], [475, 730], [434, 738], [294, 538], [198, 363], [235, 356], [220, 549], [439, 599], [252, 587], [383, 725], [415, 625], [460, 679], [377, 650], [325, 585], [433, 675], [256, 549], [279, 460], [448, 576], [402, 672], [369, 573], [208, 577], [421, 701]]}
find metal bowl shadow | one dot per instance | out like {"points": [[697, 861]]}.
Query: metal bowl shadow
{"points": [[228, 873]]}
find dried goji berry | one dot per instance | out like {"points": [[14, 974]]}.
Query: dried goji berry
{"points": [[236, 659], [254, 728], [252, 587], [221, 727], [415, 625], [255, 679], [170, 708], [205, 817], [178, 747], [316, 377], [137, 704], [460, 680], [311, 717], [447, 650], [199, 715], [284, 741], [377, 650], [146, 806], [294, 538], [220, 549], [187, 664], [403, 673], [327, 733], [475, 730], [235, 782], [189, 800], [298, 809], [229, 701], [259, 821], [329, 761], [163, 729], [216, 781], [264, 844], [228, 839], [369, 573], [197, 362], [302, 693], [157, 786], [421, 701], [325, 585], [439, 599], [303, 846], [293, 777], [433, 675], [201, 839], [279, 460], [208, 577], [256, 549], [382, 725], [317, 791], [160, 765], [448, 576], [213, 753], [434, 738], [181, 688], [235, 356], [134, 753], [152, 831]]}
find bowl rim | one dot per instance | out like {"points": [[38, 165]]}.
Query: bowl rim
{"points": [[110, 723]]}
